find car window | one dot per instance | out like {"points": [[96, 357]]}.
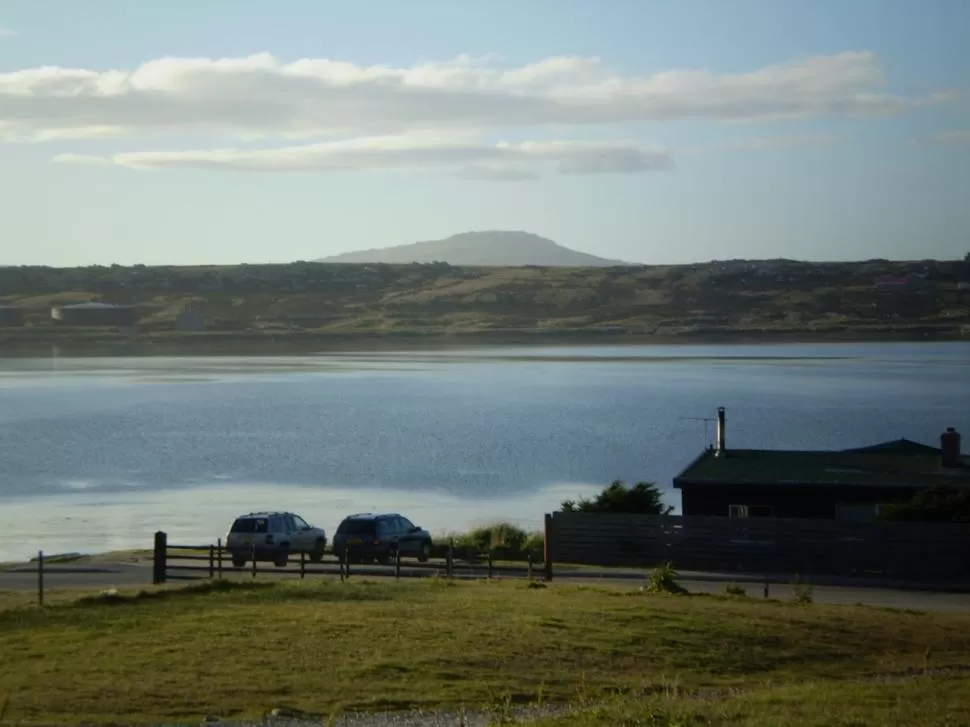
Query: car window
{"points": [[250, 525], [386, 528], [276, 524], [405, 524], [356, 527], [299, 523]]}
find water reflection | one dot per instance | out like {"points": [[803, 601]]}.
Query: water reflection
{"points": [[94, 523]]}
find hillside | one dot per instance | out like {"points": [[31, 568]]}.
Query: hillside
{"points": [[497, 248], [711, 301]]}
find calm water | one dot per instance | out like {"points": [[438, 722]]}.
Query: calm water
{"points": [[98, 453]]}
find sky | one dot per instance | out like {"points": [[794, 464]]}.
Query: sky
{"points": [[653, 131]]}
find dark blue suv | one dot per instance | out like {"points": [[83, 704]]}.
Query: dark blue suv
{"points": [[368, 537]]}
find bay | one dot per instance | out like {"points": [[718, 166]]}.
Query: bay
{"points": [[98, 453]]}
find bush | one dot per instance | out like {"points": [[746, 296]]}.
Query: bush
{"points": [[663, 579], [643, 497], [802, 592], [733, 589], [504, 539], [936, 505]]}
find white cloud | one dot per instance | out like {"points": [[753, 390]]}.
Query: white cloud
{"points": [[7, 32], [465, 157], [953, 137], [772, 141], [260, 96]]}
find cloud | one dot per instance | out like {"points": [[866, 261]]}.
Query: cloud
{"points": [[259, 96], [466, 158], [7, 32], [960, 136], [772, 141], [485, 173]]}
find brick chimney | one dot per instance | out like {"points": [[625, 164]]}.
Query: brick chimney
{"points": [[950, 445]]}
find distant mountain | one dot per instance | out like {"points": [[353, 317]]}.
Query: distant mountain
{"points": [[492, 248]]}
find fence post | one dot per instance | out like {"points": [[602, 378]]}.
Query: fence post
{"points": [[397, 564], [530, 566], [302, 564], [450, 561], [547, 546], [219, 557], [212, 561], [254, 560], [489, 565], [159, 558], [40, 577], [766, 585], [340, 562]]}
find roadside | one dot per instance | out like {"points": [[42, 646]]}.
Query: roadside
{"points": [[103, 574]]}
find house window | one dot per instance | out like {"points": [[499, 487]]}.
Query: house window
{"points": [[737, 511]]}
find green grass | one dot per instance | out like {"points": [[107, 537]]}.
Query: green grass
{"points": [[240, 649]]}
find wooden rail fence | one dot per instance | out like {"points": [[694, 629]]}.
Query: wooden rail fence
{"points": [[173, 562], [761, 545]]}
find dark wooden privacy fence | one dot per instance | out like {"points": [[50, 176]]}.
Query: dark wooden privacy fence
{"points": [[194, 562], [762, 545]]}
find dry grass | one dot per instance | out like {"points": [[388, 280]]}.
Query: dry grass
{"points": [[926, 701]]}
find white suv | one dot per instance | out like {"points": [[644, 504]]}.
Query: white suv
{"points": [[273, 536]]}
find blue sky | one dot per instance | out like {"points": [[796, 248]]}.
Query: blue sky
{"points": [[665, 131]]}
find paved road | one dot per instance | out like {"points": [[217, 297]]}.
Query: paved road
{"points": [[136, 575]]}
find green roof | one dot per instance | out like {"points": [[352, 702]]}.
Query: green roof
{"points": [[892, 464]]}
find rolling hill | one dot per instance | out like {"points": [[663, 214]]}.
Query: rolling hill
{"points": [[495, 248], [316, 304]]}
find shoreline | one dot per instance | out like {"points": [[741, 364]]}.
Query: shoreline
{"points": [[78, 342]]}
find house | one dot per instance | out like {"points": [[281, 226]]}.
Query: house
{"points": [[95, 314], [847, 485]]}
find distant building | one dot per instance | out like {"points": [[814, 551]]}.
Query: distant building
{"points": [[11, 316], [190, 320], [848, 485], [898, 282], [95, 314]]}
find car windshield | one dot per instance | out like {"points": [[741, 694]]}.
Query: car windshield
{"points": [[250, 525], [355, 527]]}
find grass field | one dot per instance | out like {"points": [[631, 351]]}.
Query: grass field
{"points": [[243, 649], [941, 700]]}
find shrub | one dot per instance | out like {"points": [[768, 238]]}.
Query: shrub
{"points": [[802, 592], [643, 497], [938, 504], [663, 579], [503, 539], [733, 589]]}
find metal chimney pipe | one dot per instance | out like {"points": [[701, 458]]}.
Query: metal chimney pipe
{"points": [[719, 449]]}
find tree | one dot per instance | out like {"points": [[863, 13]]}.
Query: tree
{"points": [[937, 505], [643, 497]]}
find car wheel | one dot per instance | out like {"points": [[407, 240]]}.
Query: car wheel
{"points": [[239, 562], [424, 555], [316, 555], [282, 559]]}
